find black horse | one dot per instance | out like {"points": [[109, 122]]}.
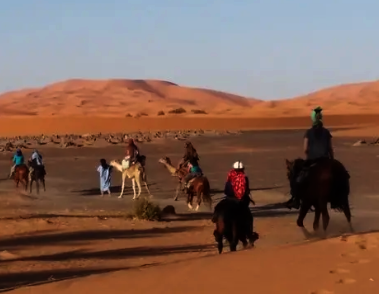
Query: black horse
{"points": [[324, 181], [38, 176], [233, 224]]}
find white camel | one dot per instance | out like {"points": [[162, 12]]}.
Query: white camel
{"points": [[136, 173]]}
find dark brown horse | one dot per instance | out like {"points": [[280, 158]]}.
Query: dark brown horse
{"points": [[21, 174], [200, 187], [38, 176], [326, 181], [231, 223]]}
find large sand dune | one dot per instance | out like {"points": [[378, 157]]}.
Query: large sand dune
{"points": [[120, 97]]}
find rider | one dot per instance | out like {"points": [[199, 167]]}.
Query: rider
{"points": [[317, 145], [36, 160], [18, 159], [237, 187], [191, 159], [132, 153]]}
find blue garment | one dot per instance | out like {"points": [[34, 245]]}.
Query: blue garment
{"points": [[18, 159], [105, 177], [196, 169]]}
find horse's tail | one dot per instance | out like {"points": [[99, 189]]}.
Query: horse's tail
{"points": [[207, 197], [341, 187], [143, 173]]}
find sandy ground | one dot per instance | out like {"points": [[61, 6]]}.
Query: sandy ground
{"points": [[82, 125], [69, 231]]}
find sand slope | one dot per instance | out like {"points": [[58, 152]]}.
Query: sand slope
{"points": [[342, 265], [345, 99], [118, 98]]}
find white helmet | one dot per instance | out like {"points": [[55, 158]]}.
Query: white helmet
{"points": [[238, 165]]}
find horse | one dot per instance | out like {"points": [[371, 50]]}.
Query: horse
{"points": [[21, 174], [199, 186], [38, 176], [327, 181], [228, 216]]}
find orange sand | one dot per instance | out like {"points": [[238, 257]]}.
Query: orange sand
{"points": [[342, 265], [77, 106]]}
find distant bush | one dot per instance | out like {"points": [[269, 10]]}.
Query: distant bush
{"points": [[128, 115], [198, 111], [146, 210], [178, 110], [161, 112], [139, 114]]}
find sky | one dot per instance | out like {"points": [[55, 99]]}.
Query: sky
{"points": [[268, 49]]}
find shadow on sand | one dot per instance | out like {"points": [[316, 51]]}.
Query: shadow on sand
{"points": [[12, 281], [114, 189], [269, 210], [79, 237]]}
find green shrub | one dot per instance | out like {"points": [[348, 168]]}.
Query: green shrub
{"points": [[146, 210]]}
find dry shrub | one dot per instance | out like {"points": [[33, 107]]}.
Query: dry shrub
{"points": [[178, 110], [140, 114], [198, 111], [161, 112], [144, 209], [128, 115]]}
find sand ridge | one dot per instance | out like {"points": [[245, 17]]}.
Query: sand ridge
{"points": [[125, 97]]}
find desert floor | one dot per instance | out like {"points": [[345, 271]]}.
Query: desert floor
{"points": [[69, 231]]}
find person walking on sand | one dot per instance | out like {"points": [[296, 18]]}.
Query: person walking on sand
{"points": [[105, 171]]}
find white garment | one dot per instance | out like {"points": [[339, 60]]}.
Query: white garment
{"points": [[37, 157], [126, 162], [238, 165]]}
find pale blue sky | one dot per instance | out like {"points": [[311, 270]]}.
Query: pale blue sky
{"points": [[266, 49]]}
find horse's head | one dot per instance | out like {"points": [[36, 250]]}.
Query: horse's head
{"points": [[294, 167]]}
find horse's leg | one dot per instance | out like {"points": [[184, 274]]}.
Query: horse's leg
{"points": [[316, 221], [347, 213], [43, 184], [325, 218], [122, 185], [134, 188], [189, 200], [26, 182], [234, 238], [219, 234], [37, 186], [177, 191], [31, 186], [199, 198], [304, 208]]}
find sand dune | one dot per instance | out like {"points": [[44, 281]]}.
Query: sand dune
{"points": [[119, 98]]}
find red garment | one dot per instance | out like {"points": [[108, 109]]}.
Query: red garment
{"points": [[238, 181]]}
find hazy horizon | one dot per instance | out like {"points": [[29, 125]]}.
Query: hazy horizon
{"points": [[268, 50]]}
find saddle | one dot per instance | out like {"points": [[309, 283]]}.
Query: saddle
{"points": [[191, 181], [305, 171]]}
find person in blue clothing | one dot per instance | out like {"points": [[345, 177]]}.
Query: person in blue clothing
{"points": [[194, 171], [18, 159]]}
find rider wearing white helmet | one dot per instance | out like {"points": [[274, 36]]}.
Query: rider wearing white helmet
{"points": [[237, 187]]}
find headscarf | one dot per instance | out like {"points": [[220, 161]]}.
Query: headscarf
{"points": [[316, 116], [238, 180], [191, 153], [19, 152]]}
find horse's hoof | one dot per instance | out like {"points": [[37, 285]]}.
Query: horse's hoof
{"points": [[119, 197], [197, 208]]}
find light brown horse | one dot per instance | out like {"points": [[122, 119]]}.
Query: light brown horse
{"points": [[21, 174], [199, 185]]}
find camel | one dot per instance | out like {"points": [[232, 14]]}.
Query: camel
{"points": [[179, 173], [136, 173]]}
